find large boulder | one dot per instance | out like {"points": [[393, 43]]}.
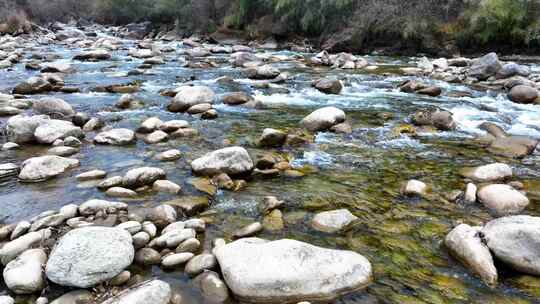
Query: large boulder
{"points": [[85, 257], [20, 128], [488, 173], [117, 137], [523, 94], [515, 241], [189, 96], [232, 161], [54, 129], [289, 271], [53, 107], [465, 244], [38, 169], [142, 176], [323, 119], [484, 67], [502, 199], [154, 291], [24, 275]]}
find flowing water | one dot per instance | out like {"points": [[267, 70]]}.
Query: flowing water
{"points": [[362, 171]]}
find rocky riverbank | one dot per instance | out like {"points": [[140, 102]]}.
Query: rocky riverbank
{"points": [[134, 168]]}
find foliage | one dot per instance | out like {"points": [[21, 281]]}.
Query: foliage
{"points": [[514, 22]]}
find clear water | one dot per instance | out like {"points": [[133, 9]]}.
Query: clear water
{"points": [[402, 237]]}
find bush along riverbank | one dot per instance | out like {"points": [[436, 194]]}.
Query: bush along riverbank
{"points": [[151, 168]]}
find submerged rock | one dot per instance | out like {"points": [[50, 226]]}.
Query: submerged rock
{"points": [[232, 161], [39, 169], [515, 240], [465, 243], [288, 271], [502, 199], [85, 257]]}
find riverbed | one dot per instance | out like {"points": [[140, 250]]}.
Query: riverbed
{"points": [[401, 236]]}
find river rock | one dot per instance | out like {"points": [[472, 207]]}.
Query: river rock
{"points": [[231, 160], [190, 245], [200, 263], [249, 230], [150, 125], [328, 85], [272, 138], [333, 221], [465, 243], [263, 72], [8, 170], [162, 215], [289, 271], [93, 55], [11, 250], [440, 119], [236, 98], [177, 259], [513, 146], [523, 94], [107, 252], [323, 119], [6, 300], [513, 69], [169, 155], [484, 67], [514, 240], [470, 193], [20, 128], [147, 256], [120, 192], [488, 173], [212, 287], [50, 131], [155, 292], [414, 187], [24, 275], [75, 297], [91, 175], [38, 169], [502, 199], [117, 137], [142, 176], [94, 206], [33, 85], [166, 186], [189, 96], [53, 107], [21, 228], [173, 125]]}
